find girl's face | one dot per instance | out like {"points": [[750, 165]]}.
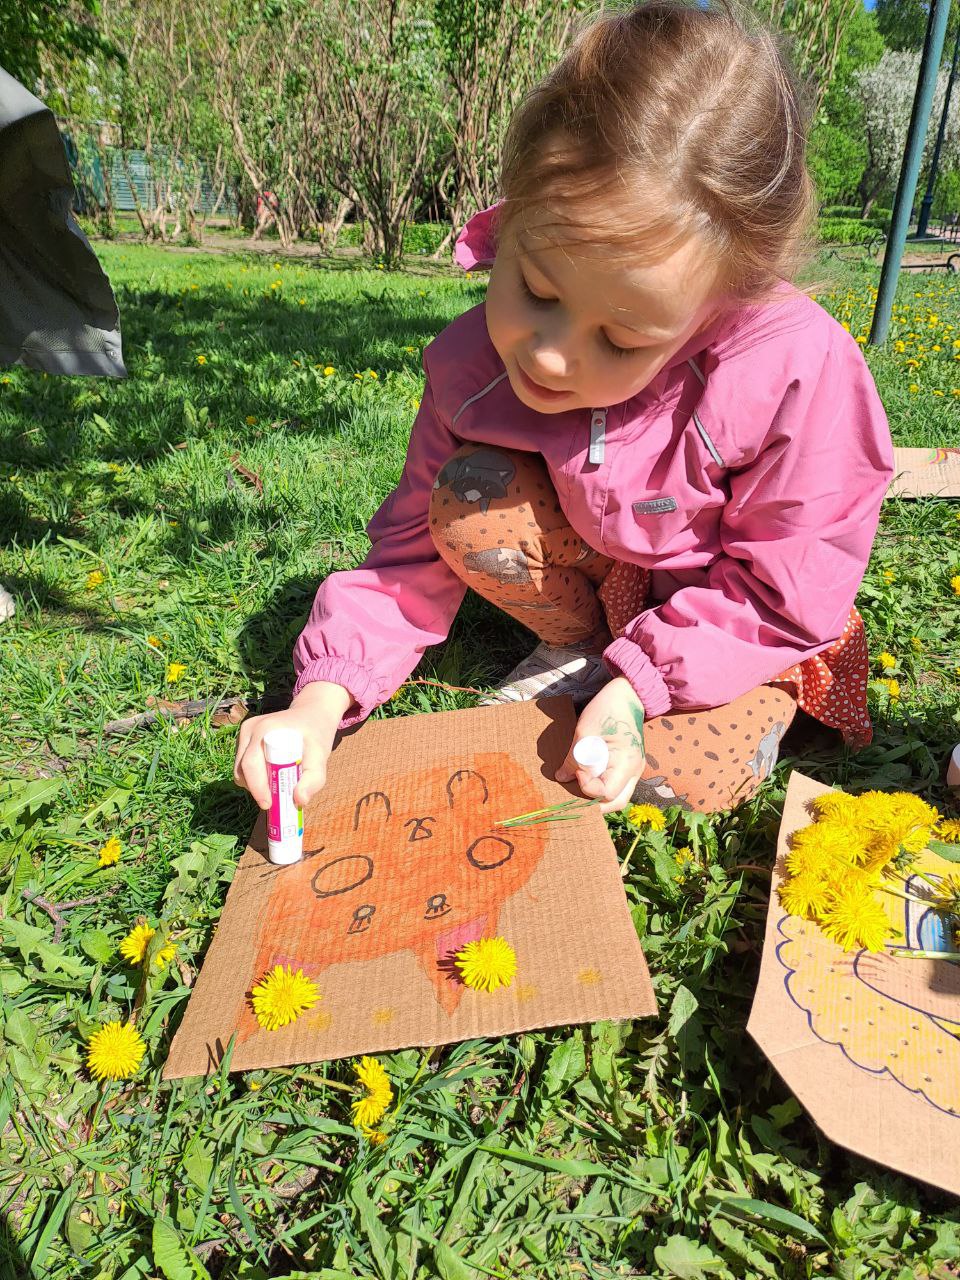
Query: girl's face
{"points": [[576, 332]]}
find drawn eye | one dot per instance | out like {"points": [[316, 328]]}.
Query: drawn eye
{"points": [[489, 852], [342, 874]]}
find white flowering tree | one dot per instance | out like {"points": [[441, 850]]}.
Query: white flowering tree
{"points": [[886, 91]]}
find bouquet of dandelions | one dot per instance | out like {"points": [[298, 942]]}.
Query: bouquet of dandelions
{"points": [[859, 848]]}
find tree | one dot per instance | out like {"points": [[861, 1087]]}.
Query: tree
{"points": [[31, 28], [903, 24], [817, 29], [886, 92], [838, 150], [492, 52]]}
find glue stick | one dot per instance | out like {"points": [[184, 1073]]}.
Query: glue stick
{"points": [[592, 753], [284, 751], [953, 769]]}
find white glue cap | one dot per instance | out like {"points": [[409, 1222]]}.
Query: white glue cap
{"points": [[953, 768], [283, 746], [592, 753]]}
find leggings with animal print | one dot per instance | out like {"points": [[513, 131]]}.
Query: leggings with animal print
{"points": [[496, 521]]}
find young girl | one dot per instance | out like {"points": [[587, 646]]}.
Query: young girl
{"points": [[646, 445]]}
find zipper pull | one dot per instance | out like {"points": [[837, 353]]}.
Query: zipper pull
{"points": [[598, 436]]}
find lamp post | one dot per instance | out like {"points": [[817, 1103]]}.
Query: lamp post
{"points": [[927, 200], [910, 169]]}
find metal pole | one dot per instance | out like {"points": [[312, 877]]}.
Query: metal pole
{"points": [[910, 170], [927, 200]]}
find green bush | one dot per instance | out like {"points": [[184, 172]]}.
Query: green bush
{"points": [[420, 238], [845, 231]]}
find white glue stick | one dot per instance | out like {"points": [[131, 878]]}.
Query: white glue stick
{"points": [[592, 753], [284, 751], [953, 768]]}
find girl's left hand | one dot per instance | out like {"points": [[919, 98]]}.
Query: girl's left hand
{"points": [[616, 715]]}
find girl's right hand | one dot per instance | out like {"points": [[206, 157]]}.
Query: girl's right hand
{"points": [[316, 713]]}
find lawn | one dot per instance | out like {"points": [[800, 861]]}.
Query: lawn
{"points": [[164, 536]]}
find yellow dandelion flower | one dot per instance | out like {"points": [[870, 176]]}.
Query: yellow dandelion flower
{"points": [[174, 671], [94, 579], [329, 371], [913, 389], [251, 420], [201, 359], [837, 841], [916, 644], [153, 642], [115, 1051], [487, 964], [949, 831], [892, 687], [804, 895], [372, 374], [371, 1108], [281, 996], [110, 852], [646, 815], [955, 584], [889, 576], [375, 1137], [854, 918], [833, 804], [887, 661], [134, 946]]}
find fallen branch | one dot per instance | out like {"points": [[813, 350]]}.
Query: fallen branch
{"points": [[234, 708], [55, 910]]}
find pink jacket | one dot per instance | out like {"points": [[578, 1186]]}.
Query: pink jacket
{"points": [[748, 476]]}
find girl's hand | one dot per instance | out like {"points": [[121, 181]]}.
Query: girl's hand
{"points": [[315, 712], [616, 715]]}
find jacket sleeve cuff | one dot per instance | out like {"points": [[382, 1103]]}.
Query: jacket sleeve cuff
{"points": [[366, 691], [627, 659]]}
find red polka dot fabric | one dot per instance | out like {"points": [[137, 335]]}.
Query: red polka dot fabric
{"points": [[831, 686]]}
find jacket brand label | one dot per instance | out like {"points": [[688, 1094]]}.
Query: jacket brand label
{"points": [[655, 507]]}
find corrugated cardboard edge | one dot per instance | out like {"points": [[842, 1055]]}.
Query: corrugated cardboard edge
{"points": [[629, 995], [871, 1115], [918, 474]]}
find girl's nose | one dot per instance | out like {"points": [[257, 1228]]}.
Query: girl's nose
{"points": [[550, 360]]}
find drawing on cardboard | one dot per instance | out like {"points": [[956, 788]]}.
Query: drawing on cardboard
{"points": [[417, 865], [926, 473], [404, 864], [899, 1017], [868, 1042]]}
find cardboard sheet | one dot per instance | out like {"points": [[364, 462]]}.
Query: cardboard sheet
{"points": [[403, 865], [869, 1044], [926, 473]]}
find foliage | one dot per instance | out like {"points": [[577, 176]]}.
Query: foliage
{"points": [[667, 1147], [845, 231], [886, 92], [818, 29], [838, 151], [32, 28], [903, 24]]}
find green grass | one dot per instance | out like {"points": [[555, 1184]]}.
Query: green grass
{"points": [[597, 1151]]}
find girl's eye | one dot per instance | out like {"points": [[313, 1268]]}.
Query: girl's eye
{"points": [[618, 351], [534, 297]]}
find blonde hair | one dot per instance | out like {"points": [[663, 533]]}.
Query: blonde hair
{"points": [[663, 121]]}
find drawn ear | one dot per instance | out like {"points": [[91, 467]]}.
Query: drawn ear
{"points": [[372, 810], [466, 787]]}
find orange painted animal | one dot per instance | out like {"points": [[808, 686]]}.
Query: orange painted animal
{"points": [[417, 864]]}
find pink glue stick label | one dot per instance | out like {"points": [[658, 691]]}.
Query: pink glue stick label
{"points": [[285, 820]]}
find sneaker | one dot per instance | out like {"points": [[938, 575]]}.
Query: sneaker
{"points": [[548, 672]]}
